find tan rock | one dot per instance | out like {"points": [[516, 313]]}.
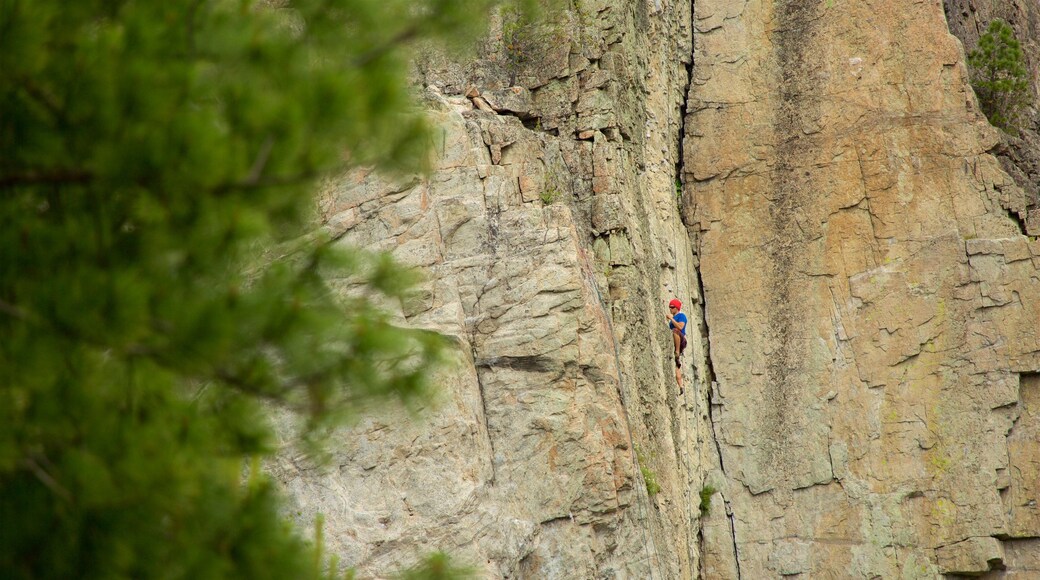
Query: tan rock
{"points": [[871, 303], [972, 556], [1033, 222], [563, 360], [852, 236], [510, 100], [483, 105]]}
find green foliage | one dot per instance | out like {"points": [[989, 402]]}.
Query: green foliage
{"points": [[551, 192], [706, 492], [649, 477], [519, 40], [437, 566], [999, 77], [526, 34], [155, 157]]}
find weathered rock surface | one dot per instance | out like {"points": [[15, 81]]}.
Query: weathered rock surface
{"points": [[871, 404], [551, 238], [1019, 154], [871, 298]]}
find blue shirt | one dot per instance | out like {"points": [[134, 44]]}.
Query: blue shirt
{"points": [[679, 317]]}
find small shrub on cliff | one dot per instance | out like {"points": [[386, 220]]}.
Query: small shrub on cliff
{"points": [[649, 477], [526, 37], [519, 39], [999, 76], [551, 192], [706, 492]]}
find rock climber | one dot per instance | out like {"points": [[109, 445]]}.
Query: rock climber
{"points": [[677, 322]]}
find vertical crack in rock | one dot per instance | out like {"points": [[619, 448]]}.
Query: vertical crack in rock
{"points": [[682, 137], [718, 447], [730, 516], [733, 534], [487, 422], [712, 392], [492, 214], [709, 378]]}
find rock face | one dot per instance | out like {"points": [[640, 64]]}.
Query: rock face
{"points": [[871, 298], [551, 238], [869, 406], [1019, 154]]}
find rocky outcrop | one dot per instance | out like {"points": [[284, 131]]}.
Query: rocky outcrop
{"points": [[871, 296], [863, 384], [550, 236], [1019, 153]]}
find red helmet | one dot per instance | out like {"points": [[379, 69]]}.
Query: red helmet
{"points": [[675, 304]]}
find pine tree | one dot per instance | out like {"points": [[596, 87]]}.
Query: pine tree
{"points": [[157, 282], [998, 71]]}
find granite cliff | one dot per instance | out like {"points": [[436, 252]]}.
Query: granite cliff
{"points": [[871, 296], [861, 271]]}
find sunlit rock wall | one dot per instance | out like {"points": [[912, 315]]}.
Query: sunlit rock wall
{"points": [[870, 275], [550, 236], [871, 297]]}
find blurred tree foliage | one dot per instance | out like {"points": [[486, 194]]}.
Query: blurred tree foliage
{"points": [[999, 76], [155, 156]]}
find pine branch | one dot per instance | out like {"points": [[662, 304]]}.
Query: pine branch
{"points": [[41, 97], [53, 177], [46, 479], [13, 310], [274, 181], [406, 35], [261, 161]]}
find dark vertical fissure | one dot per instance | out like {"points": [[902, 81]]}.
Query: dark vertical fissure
{"points": [[680, 159], [487, 419], [705, 330]]}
